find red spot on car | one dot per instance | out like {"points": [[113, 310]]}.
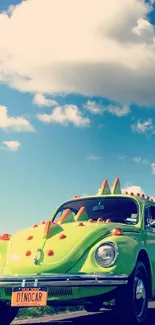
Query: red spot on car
{"points": [[99, 220], [28, 253], [50, 252], [30, 237], [91, 220], [62, 236], [80, 224]]}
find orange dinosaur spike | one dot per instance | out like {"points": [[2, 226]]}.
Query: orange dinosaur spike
{"points": [[67, 216], [116, 189], [105, 189], [46, 229], [81, 215]]}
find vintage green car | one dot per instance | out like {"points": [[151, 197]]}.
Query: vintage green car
{"points": [[92, 251]]}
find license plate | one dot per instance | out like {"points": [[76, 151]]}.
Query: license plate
{"points": [[29, 297]]}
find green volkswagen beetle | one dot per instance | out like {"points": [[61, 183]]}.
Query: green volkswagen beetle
{"points": [[92, 251]]}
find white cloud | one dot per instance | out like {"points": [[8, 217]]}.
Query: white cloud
{"points": [[15, 124], [94, 108], [153, 167], [118, 111], [65, 115], [93, 157], [133, 189], [11, 145], [110, 53], [41, 100], [143, 127], [139, 160], [99, 109]]}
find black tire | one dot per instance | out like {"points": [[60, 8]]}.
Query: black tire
{"points": [[91, 307], [132, 300], [7, 313]]}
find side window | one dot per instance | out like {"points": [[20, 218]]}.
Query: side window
{"points": [[147, 216], [152, 208]]}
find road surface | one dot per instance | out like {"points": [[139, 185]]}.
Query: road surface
{"points": [[82, 318]]}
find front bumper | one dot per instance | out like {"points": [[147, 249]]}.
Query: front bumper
{"points": [[63, 280]]}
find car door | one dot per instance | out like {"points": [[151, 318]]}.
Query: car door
{"points": [[149, 234]]}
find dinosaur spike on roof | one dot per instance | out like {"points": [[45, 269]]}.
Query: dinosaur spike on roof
{"points": [[105, 189], [116, 189]]}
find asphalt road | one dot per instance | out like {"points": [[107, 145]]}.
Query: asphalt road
{"points": [[82, 318]]}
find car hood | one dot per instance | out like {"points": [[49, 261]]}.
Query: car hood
{"points": [[30, 252]]}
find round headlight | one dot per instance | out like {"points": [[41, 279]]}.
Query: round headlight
{"points": [[106, 254]]}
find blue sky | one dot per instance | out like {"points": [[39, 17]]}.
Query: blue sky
{"points": [[66, 121]]}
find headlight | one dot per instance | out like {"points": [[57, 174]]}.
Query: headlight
{"points": [[106, 254]]}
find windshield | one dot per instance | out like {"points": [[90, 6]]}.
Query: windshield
{"points": [[117, 209]]}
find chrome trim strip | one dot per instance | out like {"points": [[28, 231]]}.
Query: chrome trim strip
{"points": [[63, 280]]}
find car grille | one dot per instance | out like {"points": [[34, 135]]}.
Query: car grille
{"points": [[8, 291], [60, 291]]}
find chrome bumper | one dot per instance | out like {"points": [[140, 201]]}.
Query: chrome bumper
{"points": [[63, 280]]}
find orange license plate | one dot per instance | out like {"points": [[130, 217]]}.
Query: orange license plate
{"points": [[29, 297]]}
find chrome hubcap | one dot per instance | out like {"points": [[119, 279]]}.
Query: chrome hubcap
{"points": [[140, 297]]}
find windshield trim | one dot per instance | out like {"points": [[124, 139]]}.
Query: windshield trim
{"points": [[101, 196]]}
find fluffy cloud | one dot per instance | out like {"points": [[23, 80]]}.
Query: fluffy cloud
{"points": [[99, 109], [15, 124], [140, 160], [143, 127], [41, 100], [133, 189], [118, 111], [94, 108], [65, 115], [11, 145], [110, 53]]}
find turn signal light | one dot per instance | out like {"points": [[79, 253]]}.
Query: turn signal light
{"points": [[117, 232], [5, 237]]}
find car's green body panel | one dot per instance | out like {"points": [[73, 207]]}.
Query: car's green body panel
{"points": [[68, 251], [75, 253]]}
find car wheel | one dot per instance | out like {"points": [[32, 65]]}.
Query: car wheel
{"points": [[132, 300], [7, 313]]}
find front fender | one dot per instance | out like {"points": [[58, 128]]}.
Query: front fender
{"points": [[128, 248]]}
